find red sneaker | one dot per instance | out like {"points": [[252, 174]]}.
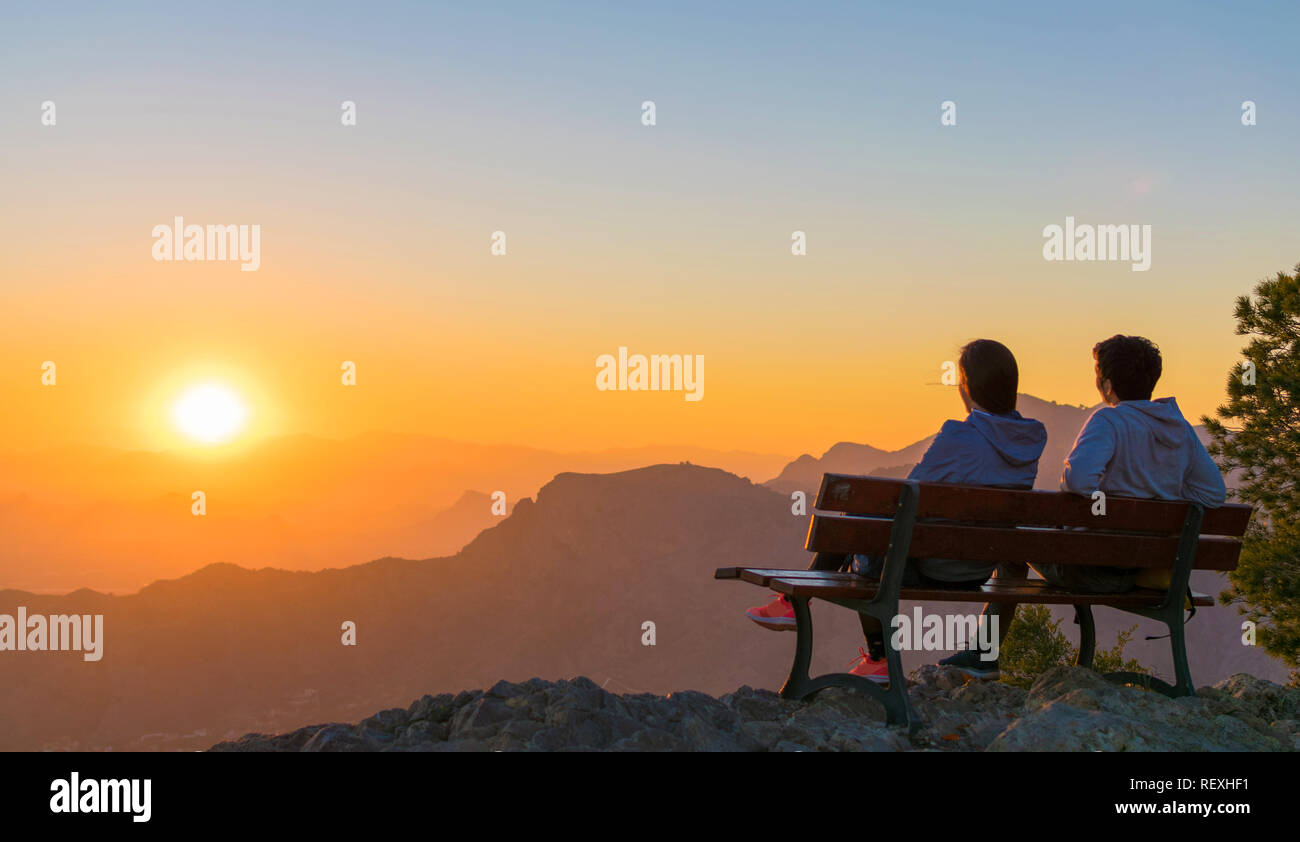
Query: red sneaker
{"points": [[877, 671], [777, 615]]}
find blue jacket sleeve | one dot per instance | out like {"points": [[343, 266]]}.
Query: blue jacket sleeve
{"points": [[1204, 481], [941, 460], [1089, 457]]}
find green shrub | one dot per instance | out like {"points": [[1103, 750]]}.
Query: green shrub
{"points": [[1035, 644]]}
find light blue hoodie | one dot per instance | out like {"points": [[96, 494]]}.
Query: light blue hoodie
{"points": [[1143, 449], [985, 449]]}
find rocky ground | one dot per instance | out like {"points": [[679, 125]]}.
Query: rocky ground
{"points": [[1068, 709]]}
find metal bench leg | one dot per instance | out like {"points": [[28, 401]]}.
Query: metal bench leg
{"points": [[796, 686], [1171, 614], [1182, 672], [1087, 636], [898, 708], [1182, 686]]}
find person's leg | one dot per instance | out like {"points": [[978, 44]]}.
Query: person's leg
{"points": [[1004, 611], [874, 633], [971, 660], [870, 567], [777, 613], [873, 666], [872, 629]]}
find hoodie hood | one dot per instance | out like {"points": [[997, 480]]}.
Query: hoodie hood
{"points": [[1018, 440], [984, 449], [1162, 417]]}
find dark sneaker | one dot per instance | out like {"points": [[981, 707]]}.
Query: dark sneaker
{"points": [[970, 663]]}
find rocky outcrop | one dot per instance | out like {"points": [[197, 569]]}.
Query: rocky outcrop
{"points": [[1078, 710], [1068, 709]]}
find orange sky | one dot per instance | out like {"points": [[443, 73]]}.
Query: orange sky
{"points": [[673, 238], [800, 352]]}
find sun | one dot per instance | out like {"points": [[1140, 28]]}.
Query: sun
{"points": [[210, 413]]}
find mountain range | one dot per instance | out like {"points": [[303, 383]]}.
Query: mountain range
{"points": [[1062, 421], [563, 586], [114, 521], [560, 586], [117, 520]]}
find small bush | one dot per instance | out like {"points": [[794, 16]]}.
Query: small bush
{"points": [[1035, 644]]}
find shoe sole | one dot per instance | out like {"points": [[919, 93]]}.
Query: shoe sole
{"points": [[775, 624]]}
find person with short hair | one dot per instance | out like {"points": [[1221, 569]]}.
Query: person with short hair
{"points": [[1132, 446]]}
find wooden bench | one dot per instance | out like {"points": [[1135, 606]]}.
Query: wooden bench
{"points": [[898, 519]]}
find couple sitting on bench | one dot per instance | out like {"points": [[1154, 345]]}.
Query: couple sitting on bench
{"points": [[1130, 447]]}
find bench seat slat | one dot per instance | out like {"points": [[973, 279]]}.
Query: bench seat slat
{"points": [[823, 584]]}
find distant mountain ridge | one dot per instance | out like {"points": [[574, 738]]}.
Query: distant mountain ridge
{"points": [[116, 520], [561, 587], [1062, 421]]}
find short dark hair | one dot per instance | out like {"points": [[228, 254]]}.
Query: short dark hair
{"points": [[1131, 364], [988, 369]]}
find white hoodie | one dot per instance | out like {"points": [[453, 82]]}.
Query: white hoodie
{"points": [[1143, 449]]}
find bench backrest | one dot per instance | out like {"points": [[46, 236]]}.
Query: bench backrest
{"points": [[992, 525]]}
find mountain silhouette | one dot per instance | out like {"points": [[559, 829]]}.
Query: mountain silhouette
{"points": [[1062, 421], [116, 520], [561, 587]]}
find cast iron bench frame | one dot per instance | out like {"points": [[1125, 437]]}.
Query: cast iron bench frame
{"points": [[902, 518]]}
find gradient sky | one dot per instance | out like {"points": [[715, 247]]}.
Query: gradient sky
{"points": [[666, 239]]}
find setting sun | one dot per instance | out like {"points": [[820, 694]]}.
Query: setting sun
{"points": [[209, 413]]}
